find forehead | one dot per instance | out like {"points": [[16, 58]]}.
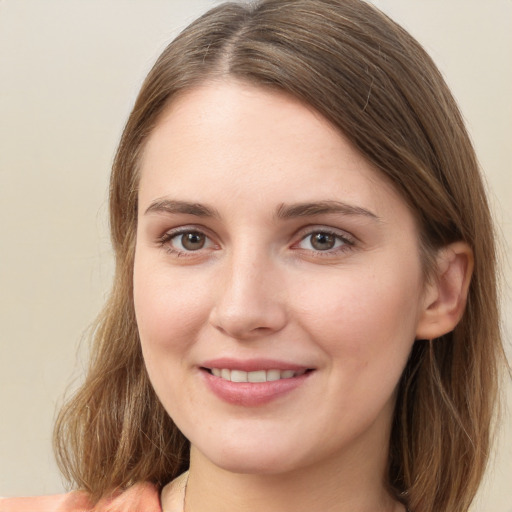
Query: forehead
{"points": [[228, 139]]}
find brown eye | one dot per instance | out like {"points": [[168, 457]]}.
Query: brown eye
{"points": [[185, 242], [322, 241], [192, 241], [325, 241]]}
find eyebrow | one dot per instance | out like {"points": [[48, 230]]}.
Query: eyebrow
{"points": [[172, 206], [322, 207], [283, 211]]}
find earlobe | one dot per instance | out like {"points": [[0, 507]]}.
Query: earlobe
{"points": [[445, 298]]}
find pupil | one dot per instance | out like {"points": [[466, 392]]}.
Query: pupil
{"points": [[193, 241], [323, 241]]}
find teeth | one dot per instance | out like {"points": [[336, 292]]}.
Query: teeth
{"points": [[237, 376], [257, 376], [273, 375]]}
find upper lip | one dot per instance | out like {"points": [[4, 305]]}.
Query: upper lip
{"points": [[252, 365]]}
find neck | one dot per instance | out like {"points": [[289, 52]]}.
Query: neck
{"points": [[356, 485]]}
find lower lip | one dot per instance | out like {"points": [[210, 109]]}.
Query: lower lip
{"points": [[250, 394]]}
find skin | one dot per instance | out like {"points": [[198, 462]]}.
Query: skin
{"points": [[259, 288]]}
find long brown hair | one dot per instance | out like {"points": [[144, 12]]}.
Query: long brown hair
{"points": [[373, 81]]}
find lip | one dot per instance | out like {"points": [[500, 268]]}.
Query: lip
{"points": [[251, 394], [252, 365]]}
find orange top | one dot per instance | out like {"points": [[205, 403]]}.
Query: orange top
{"points": [[142, 497]]}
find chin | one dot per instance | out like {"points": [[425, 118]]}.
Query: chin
{"points": [[252, 465], [250, 458]]}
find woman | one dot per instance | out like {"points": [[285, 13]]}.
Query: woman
{"points": [[304, 312]]}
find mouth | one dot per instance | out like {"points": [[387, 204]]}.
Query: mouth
{"points": [[253, 382], [253, 386], [270, 375]]}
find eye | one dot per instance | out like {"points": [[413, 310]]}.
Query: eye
{"points": [[185, 241], [324, 241], [192, 241]]}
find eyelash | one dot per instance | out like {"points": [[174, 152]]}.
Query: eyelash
{"points": [[347, 241], [165, 241]]}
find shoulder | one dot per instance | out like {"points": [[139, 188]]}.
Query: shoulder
{"points": [[141, 497], [71, 502]]}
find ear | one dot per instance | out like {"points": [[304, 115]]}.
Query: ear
{"points": [[445, 297]]}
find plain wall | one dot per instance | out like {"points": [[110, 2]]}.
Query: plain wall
{"points": [[69, 73]]}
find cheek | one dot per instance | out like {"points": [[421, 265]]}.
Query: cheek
{"points": [[170, 310], [363, 317], [364, 322]]}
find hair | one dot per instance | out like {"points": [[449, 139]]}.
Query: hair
{"points": [[376, 84]]}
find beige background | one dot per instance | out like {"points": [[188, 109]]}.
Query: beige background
{"points": [[69, 72]]}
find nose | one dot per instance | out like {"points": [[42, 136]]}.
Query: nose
{"points": [[251, 301]]}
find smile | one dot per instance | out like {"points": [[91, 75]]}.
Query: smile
{"points": [[255, 376]]}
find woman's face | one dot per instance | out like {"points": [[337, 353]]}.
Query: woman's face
{"points": [[269, 250]]}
